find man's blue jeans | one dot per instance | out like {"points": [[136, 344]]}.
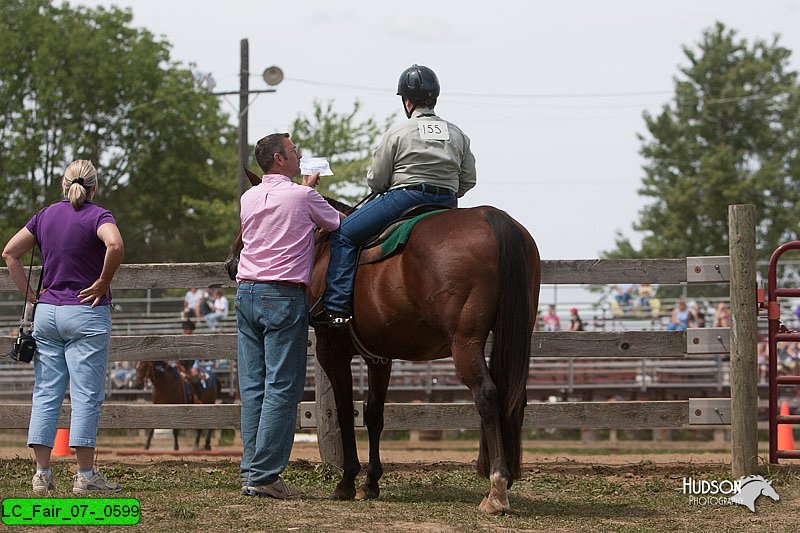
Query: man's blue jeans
{"points": [[71, 347], [356, 229], [272, 323]]}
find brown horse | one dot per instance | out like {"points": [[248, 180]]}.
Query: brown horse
{"points": [[463, 273], [171, 387]]}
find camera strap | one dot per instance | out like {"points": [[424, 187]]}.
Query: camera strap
{"points": [[38, 287]]}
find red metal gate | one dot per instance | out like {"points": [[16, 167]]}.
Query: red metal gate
{"points": [[779, 333]]}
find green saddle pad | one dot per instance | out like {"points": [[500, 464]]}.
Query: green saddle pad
{"points": [[400, 235]]}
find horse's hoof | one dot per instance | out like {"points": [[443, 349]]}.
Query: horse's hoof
{"points": [[365, 493], [493, 507], [341, 494]]}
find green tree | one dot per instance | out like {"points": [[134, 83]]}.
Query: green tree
{"points": [[345, 141], [730, 135], [83, 83]]}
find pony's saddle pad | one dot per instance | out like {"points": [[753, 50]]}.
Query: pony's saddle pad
{"points": [[396, 234]]}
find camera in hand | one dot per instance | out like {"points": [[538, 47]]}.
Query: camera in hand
{"points": [[24, 347]]}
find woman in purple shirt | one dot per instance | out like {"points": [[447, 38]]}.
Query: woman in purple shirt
{"points": [[81, 250]]}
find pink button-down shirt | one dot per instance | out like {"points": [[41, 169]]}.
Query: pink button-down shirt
{"points": [[278, 217]]}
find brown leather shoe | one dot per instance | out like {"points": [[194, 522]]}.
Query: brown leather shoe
{"points": [[278, 489]]}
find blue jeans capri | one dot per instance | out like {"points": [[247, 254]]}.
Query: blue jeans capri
{"points": [[71, 348]]}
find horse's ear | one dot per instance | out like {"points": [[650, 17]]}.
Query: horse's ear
{"points": [[254, 180]]}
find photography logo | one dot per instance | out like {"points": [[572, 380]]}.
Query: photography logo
{"points": [[744, 491]]}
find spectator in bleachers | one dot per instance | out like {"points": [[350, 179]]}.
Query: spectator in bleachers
{"points": [[679, 320], [644, 294], [763, 361], [207, 306], [624, 296], [123, 376], [575, 323], [192, 302], [219, 310], [188, 327], [787, 357], [697, 318], [551, 320], [722, 316]]}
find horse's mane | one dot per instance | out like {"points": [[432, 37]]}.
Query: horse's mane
{"points": [[339, 206]]}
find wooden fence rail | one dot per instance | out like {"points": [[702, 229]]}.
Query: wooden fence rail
{"points": [[578, 271], [580, 344], [595, 415]]}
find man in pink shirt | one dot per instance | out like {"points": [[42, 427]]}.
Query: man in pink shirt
{"points": [[278, 218]]}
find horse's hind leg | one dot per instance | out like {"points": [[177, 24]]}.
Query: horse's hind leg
{"points": [[175, 436], [209, 434], [471, 367], [197, 435], [379, 374], [148, 438]]}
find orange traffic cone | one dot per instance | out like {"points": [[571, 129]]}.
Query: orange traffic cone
{"points": [[785, 435], [61, 446]]}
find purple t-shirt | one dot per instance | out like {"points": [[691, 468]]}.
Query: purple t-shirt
{"points": [[73, 254]]}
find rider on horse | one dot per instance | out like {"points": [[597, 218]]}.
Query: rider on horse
{"points": [[426, 160]]}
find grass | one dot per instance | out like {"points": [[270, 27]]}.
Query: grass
{"points": [[563, 496]]}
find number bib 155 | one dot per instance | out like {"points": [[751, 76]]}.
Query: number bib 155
{"points": [[435, 130]]}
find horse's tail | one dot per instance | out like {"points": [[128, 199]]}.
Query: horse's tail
{"points": [[509, 363]]}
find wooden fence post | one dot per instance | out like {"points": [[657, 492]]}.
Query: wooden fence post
{"points": [[744, 339], [329, 438]]}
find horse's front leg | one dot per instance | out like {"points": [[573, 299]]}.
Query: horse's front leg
{"points": [[175, 437], [471, 367], [379, 374], [209, 434], [197, 435], [148, 438], [336, 364]]}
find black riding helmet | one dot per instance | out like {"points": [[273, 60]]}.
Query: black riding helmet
{"points": [[420, 85], [418, 82]]}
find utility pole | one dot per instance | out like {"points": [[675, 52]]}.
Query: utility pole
{"points": [[272, 76], [244, 93]]}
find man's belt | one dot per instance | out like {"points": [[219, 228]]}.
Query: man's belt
{"points": [[433, 189], [292, 284]]}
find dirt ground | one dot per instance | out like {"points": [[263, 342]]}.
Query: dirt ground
{"points": [[421, 451], [627, 486]]}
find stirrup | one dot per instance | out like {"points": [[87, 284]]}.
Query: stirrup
{"points": [[331, 319]]}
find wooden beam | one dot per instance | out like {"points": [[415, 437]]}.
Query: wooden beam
{"points": [[580, 344], [138, 416], [609, 271], [398, 416], [651, 344], [579, 271], [544, 415], [744, 339]]}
